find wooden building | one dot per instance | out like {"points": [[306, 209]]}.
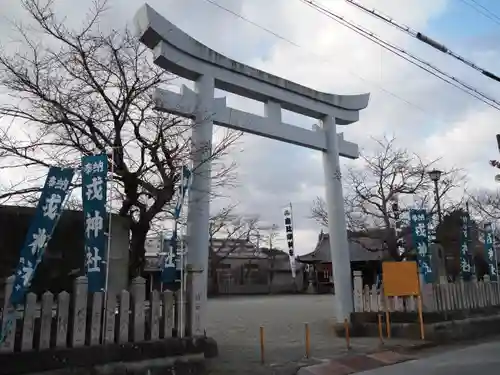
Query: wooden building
{"points": [[366, 256]]}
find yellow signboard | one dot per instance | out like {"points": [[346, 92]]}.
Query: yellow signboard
{"points": [[400, 279]]}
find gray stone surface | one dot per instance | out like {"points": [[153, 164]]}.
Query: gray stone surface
{"points": [[234, 322], [477, 359]]}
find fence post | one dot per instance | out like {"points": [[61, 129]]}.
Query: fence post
{"points": [[10, 335], [96, 319], [46, 320], [366, 299], [28, 322], [138, 315], [154, 315], [62, 319], [124, 317], [79, 311], [168, 313], [109, 318], [374, 298], [358, 291]]}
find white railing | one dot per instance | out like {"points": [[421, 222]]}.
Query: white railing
{"points": [[461, 295]]}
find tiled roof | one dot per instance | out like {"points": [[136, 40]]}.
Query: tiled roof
{"points": [[357, 248]]}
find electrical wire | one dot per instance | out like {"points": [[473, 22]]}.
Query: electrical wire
{"points": [[481, 9], [291, 42], [420, 63], [422, 37]]}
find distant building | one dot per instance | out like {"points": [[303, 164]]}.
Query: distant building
{"points": [[366, 255], [236, 266]]}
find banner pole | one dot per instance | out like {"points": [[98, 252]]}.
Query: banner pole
{"points": [[183, 281], [110, 216], [108, 249]]}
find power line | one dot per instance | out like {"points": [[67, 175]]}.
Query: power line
{"points": [[291, 42], [420, 63], [252, 22], [481, 9], [423, 38]]}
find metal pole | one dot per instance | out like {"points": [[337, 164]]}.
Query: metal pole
{"points": [[161, 256], [181, 310], [110, 215], [440, 220], [108, 250], [438, 201]]}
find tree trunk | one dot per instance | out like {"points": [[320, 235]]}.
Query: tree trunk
{"points": [[137, 248]]}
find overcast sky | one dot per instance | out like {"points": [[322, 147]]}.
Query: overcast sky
{"points": [[425, 114]]}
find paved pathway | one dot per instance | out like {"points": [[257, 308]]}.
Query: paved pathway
{"points": [[234, 322], [481, 359]]}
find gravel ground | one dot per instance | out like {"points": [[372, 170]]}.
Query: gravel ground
{"points": [[234, 322]]}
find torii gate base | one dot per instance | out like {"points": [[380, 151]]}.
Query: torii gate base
{"points": [[180, 54]]}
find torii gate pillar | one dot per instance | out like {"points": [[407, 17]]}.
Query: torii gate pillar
{"points": [[341, 262], [177, 52], [199, 201]]}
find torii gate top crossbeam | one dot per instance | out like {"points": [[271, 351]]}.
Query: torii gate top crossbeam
{"points": [[182, 55]]}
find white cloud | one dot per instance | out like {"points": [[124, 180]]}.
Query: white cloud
{"points": [[440, 121]]}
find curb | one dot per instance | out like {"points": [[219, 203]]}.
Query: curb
{"points": [[357, 363], [413, 347]]}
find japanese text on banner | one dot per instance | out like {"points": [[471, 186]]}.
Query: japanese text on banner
{"points": [[420, 236], [287, 213], [171, 264], [42, 226], [39, 233], [490, 252], [465, 257], [94, 192]]}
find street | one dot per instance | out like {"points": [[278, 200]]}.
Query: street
{"points": [[476, 359]]}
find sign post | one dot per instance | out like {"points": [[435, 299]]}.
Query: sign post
{"points": [[401, 279]]}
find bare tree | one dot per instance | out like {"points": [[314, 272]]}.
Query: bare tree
{"points": [[389, 173], [485, 207], [268, 236], [75, 92], [229, 232]]}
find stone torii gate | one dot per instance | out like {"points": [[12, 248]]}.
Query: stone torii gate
{"points": [[178, 53]]}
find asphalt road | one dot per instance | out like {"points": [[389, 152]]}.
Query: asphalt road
{"points": [[481, 359]]}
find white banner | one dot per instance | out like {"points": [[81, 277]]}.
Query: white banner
{"points": [[287, 212]]}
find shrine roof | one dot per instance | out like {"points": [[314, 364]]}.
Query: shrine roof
{"points": [[358, 250]]}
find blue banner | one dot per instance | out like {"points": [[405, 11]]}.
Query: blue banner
{"points": [[94, 191], [171, 264], [169, 270], [420, 235], [39, 233], [490, 252], [465, 257], [181, 193], [42, 226]]}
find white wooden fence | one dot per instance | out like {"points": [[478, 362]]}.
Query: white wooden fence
{"points": [[80, 318], [435, 297]]}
